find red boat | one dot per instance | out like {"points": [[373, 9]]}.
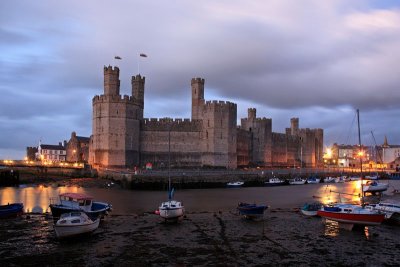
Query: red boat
{"points": [[351, 214], [348, 215]]}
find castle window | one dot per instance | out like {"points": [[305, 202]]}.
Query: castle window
{"points": [[206, 134], [208, 123]]}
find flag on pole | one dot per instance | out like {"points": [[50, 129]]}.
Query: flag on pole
{"points": [[143, 55], [117, 57]]}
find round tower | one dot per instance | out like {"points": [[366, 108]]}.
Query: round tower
{"points": [[197, 97], [111, 80], [138, 89]]}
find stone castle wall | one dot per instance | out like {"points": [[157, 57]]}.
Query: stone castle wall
{"points": [[178, 139], [123, 138]]}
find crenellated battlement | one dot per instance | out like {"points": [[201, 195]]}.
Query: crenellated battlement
{"points": [[110, 69], [219, 104], [197, 80], [114, 99], [165, 124]]}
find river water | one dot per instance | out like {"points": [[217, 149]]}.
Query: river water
{"points": [[36, 198]]}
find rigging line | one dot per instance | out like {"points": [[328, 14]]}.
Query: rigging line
{"points": [[349, 134]]}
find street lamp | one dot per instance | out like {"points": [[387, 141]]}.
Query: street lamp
{"points": [[75, 157]]}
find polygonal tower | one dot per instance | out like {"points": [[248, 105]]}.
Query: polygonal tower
{"points": [[197, 97], [116, 128]]}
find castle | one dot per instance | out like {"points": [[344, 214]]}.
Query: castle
{"points": [[121, 137]]}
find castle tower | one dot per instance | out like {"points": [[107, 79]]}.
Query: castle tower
{"points": [[138, 89], [197, 97], [111, 80], [251, 114], [294, 126], [116, 124], [219, 134]]}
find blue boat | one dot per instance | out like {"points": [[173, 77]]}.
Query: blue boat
{"points": [[70, 202], [251, 210], [11, 210]]}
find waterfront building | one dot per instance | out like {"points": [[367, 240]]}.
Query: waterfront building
{"points": [[121, 137], [77, 148], [51, 153]]}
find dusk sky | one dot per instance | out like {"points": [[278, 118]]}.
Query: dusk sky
{"points": [[315, 60]]}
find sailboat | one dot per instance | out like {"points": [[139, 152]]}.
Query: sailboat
{"points": [[348, 215], [171, 209]]}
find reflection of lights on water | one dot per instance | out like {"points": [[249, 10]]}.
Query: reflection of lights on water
{"points": [[366, 232], [331, 228], [36, 198]]}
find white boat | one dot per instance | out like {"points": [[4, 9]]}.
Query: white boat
{"points": [[235, 184], [354, 178], [310, 209], [374, 186], [340, 179], [274, 181], [297, 181], [75, 223], [329, 179], [171, 209], [391, 210], [348, 215], [372, 177]]}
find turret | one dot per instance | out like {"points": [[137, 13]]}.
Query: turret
{"points": [[294, 126], [111, 80], [138, 89], [197, 97], [251, 114]]}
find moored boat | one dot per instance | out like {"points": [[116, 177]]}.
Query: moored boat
{"points": [[75, 223], [351, 214], [391, 210], [171, 210], [297, 181], [251, 211], [275, 181], [69, 202], [313, 180], [329, 179], [348, 215], [11, 210], [234, 184], [374, 186], [311, 209]]}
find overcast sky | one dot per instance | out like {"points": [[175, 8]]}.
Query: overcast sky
{"points": [[315, 60]]}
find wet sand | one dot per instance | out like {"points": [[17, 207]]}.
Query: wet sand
{"points": [[282, 238]]}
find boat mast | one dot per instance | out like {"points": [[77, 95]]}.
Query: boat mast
{"points": [[361, 170], [169, 163]]}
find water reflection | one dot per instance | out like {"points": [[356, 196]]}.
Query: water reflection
{"points": [[348, 192], [332, 229], [35, 198]]}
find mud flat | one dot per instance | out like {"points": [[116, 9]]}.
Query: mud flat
{"points": [[282, 238]]}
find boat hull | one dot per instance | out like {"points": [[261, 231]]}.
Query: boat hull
{"points": [[171, 210], [251, 210], [63, 231], [352, 218], [99, 210], [11, 210], [171, 213]]}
